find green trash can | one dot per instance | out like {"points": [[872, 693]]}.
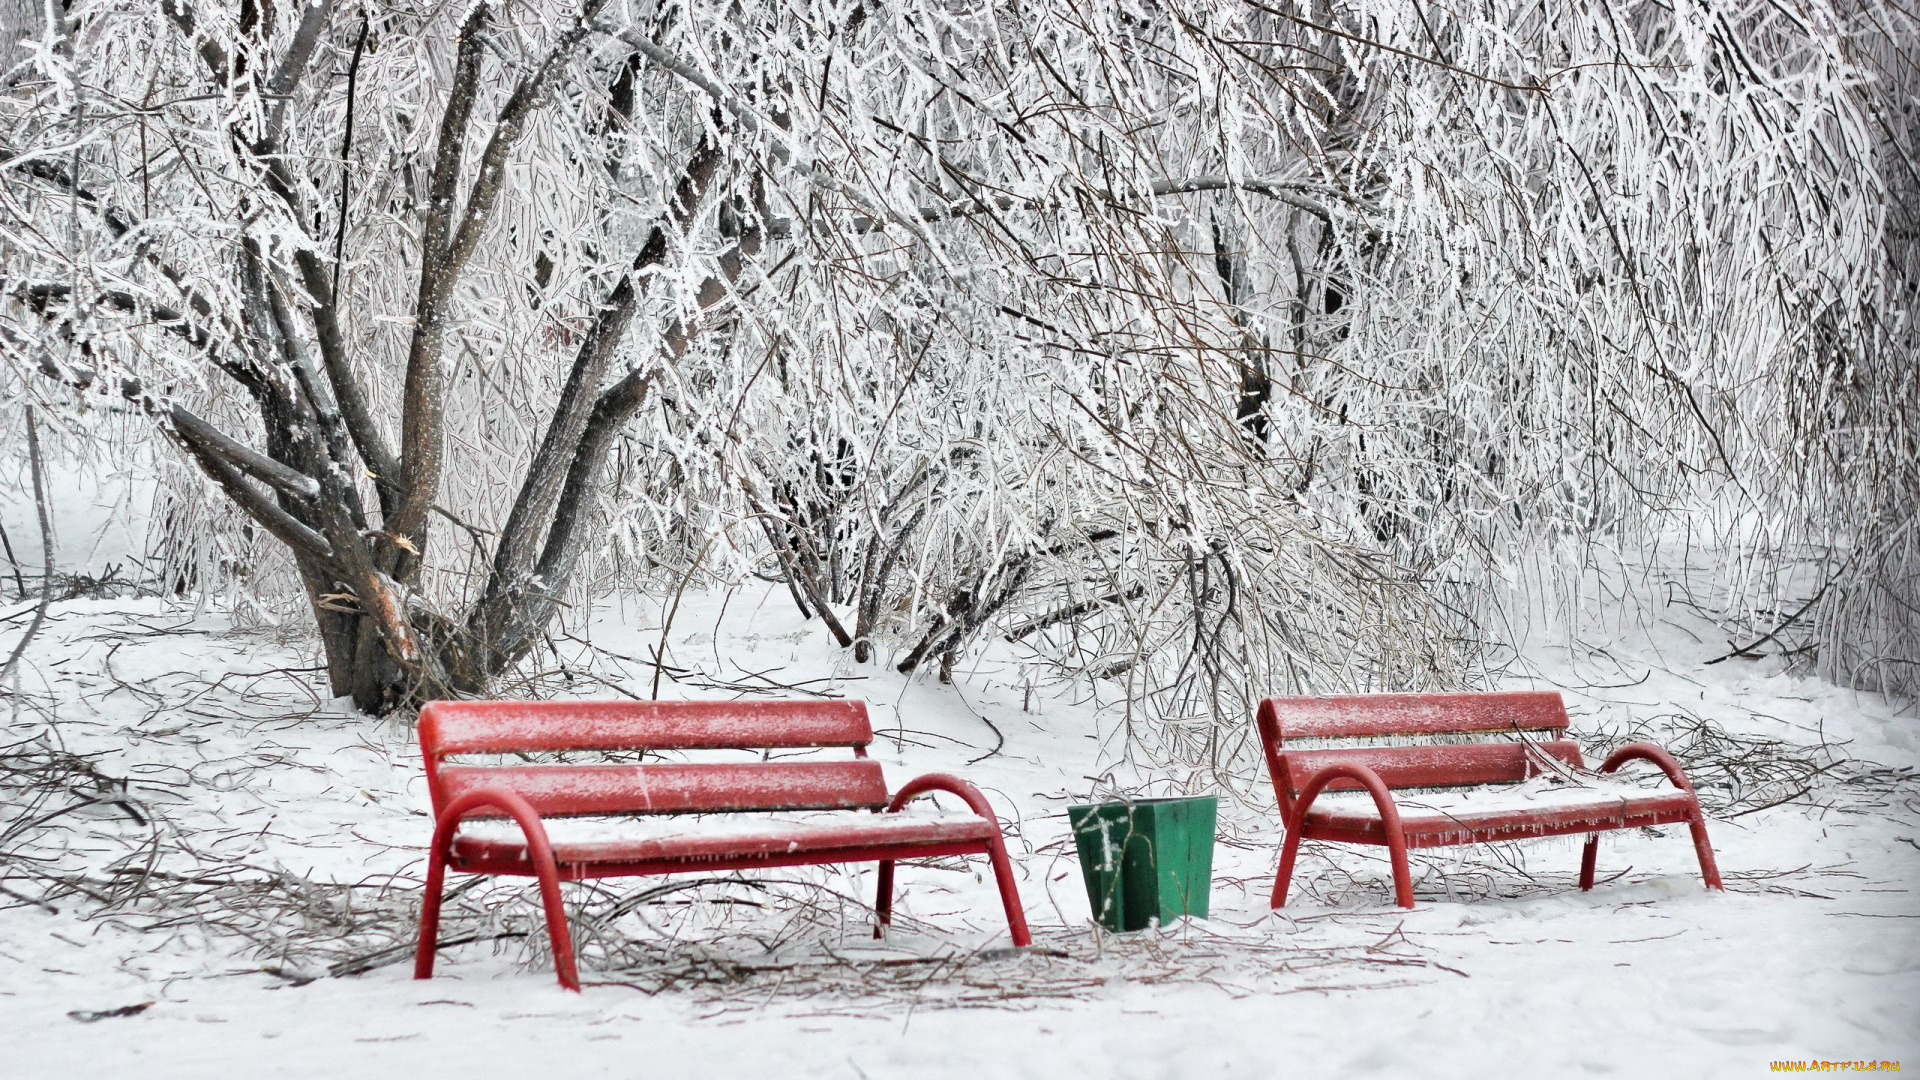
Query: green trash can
{"points": [[1146, 861]]}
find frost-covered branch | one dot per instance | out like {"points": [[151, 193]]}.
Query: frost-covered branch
{"points": [[1201, 351]]}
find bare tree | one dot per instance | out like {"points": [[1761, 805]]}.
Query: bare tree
{"points": [[215, 208]]}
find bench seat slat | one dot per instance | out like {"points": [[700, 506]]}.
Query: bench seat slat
{"points": [[678, 788], [482, 727], [1467, 815], [1386, 715], [1431, 766], [499, 842]]}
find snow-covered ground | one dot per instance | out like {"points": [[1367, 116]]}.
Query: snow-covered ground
{"points": [[266, 802], [99, 520]]}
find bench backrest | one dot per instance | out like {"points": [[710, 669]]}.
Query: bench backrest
{"points": [[449, 728], [1506, 724]]}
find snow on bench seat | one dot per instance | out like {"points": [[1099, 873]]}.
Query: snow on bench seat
{"points": [[1542, 806], [693, 839]]}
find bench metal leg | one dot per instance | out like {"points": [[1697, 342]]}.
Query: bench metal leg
{"points": [[1009, 893], [1002, 879], [1709, 870], [558, 935], [996, 851], [1283, 880], [1396, 854], [883, 900], [1697, 825], [423, 953]]}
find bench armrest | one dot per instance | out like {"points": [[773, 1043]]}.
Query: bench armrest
{"points": [[1393, 835], [539, 850], [996, 851], [539, 853], [1649, 752], [952, 785], [1364, 776]]}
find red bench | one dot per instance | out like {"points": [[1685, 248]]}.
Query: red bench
{"points": [[1519, 778], [532, 795]]}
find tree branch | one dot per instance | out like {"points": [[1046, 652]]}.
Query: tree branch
{"points": [[198, 432], [531, 92], [579, 494], [527, 524], [612, 411], [1282, 191], [251, 500], [346, 163], [446, 247], [320, 286], [421, 428], [40, 501], [122, 223], [314, 21], [336, 441], [210, 51], [38, 295], [1384, 47], [347, 392], [211, 440], [745, 115]]}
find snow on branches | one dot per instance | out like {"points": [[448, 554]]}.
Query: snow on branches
{"points": [[1203, 349]]}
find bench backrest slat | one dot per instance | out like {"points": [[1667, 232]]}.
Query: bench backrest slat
{"points": [[1431, 766], [679, 788], [1506, 723], [449, 728], [480, 727], [1386, 715]]}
